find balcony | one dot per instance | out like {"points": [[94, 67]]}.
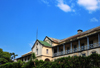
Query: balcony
{"points": [[68, 51], [93, 45], [82, 48], [55, 54], [61, 53], [75, 50]]}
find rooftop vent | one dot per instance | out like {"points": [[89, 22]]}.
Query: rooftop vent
{"points": [[79, 31]]}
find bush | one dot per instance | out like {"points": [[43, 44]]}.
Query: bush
{"points": [[11, 65], [92, 61], [29, 64]]}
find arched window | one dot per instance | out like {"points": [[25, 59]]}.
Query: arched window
{"points": [[47, 59]]}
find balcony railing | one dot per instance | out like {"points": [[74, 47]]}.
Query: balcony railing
{"points": [[61, 53], [77, 49], [68, 51], [55, 54], [94, 45], [83, 48]]}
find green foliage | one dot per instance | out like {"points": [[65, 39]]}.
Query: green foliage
{"points": [[33, 56], [13, 55], [11, 65], [92, 61], [4, 57], [29, 64]]}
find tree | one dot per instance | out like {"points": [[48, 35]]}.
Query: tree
{"points": [[4, 57], [33, 56], [13, 55]]}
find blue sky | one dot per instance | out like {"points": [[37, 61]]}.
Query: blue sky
{"points": [[19, 20]]}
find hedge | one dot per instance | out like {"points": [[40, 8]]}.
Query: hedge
{"points": [[92, 61]]}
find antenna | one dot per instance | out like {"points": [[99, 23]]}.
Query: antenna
{"points": [[37, 34]]}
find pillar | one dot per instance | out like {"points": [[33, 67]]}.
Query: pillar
{"points": [[87, 42], [79, 45], [53, 51], [57, 50], [71, 47], [63, 49], [99, 39], [87, 46]]}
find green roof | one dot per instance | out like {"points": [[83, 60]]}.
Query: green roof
{"points": [[44, 43]]}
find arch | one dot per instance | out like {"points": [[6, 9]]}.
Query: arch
{"points": [[47, 59]]}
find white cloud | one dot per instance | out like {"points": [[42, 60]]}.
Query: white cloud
{"points": [[63, 6], [94, 20], [46, 2], [90, 5], [31, 44]]}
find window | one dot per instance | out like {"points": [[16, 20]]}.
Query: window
{"points": [[37, 43], [91, 44], [61, 49], [37, 51], [68, 50], [84, 54], [46, 51], [75, 55], [93, 52], [25, 59], [75, 49], [55, 50]]}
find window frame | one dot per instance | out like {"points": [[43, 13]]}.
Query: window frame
{"points": [[47, 51], [84, 54], [37, 51]]}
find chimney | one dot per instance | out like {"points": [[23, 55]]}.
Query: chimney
{"points": [[79, 31]]}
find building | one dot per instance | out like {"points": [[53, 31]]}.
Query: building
{"points": [[24, 57], [81, 44]]}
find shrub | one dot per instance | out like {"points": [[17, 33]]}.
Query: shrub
{"points": [[92, 61]]}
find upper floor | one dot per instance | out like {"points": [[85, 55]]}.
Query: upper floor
{"points": [[79, 42]]}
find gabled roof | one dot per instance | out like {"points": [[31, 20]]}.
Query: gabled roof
{"points": [[55, 40], [52, 39], [27, 53], [45, 43]]}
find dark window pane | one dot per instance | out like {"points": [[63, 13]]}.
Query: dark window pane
{"points": [[83, 54], [93, 52]]}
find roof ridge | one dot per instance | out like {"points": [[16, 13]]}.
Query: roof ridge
{"points": [[54, 38], [87, 31]]}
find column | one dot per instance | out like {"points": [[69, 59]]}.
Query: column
{"points": [[71, 47], [27, 59], [63, 49], [23, 59], [79, 45], [99, 39], [57, 50], [52, 51], [87, 42], [87, 46]]}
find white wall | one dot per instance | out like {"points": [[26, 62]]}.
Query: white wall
{"points": [[39, 47]]}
